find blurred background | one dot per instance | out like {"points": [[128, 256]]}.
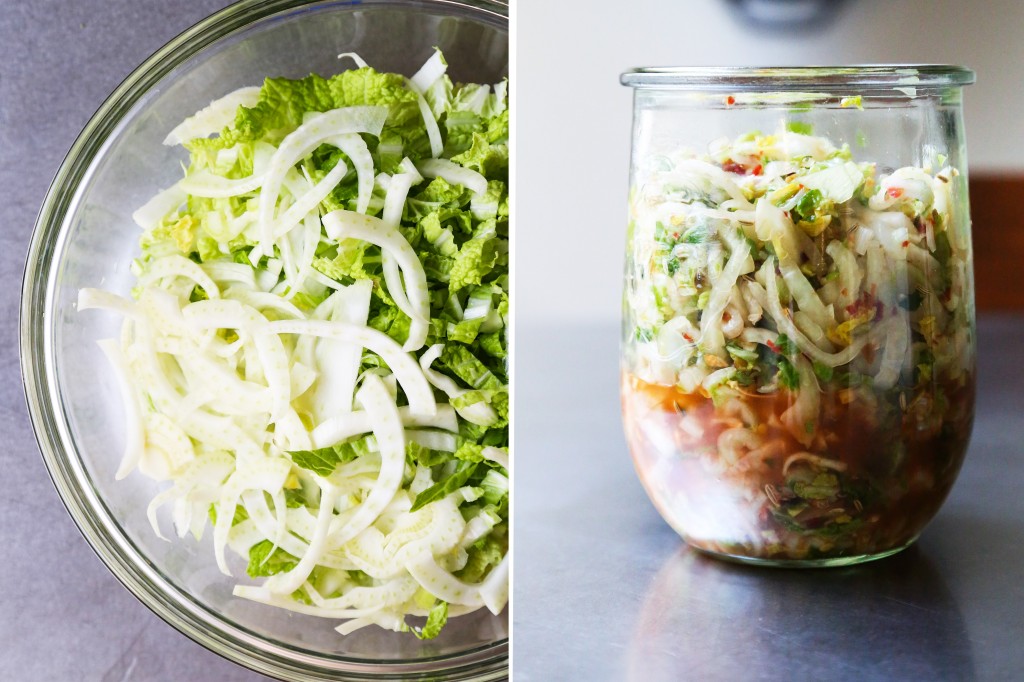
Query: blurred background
{"points": [[573, 118]]}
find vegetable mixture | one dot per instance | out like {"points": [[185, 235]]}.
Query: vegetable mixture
{"points": [[798, 377], [314, 354]]}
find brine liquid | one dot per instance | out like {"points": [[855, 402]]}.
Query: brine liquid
{"points": [[731, 479]]}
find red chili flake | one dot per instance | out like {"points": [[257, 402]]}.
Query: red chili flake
{"points": [[731, 166], [864, 303], [688, 337], [730, 100], [894, 192], [785, 213], [906, 243], [675, 235], [758, 170], [773, 347]]}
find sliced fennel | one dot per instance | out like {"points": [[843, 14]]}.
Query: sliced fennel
{"points": [[778, 264], [331, 240]]}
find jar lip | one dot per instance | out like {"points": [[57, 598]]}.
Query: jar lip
{"points": [[787, 78]]}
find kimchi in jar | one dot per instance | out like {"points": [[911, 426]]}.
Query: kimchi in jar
{"points": [[798, 339]]}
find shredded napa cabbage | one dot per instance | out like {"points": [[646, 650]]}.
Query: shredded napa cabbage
{"points": [[785, 236], [314, 356]]}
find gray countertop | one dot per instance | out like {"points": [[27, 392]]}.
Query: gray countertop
{"points": [[605, 590], [63, 616]]}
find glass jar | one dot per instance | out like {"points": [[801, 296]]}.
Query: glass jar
{"points": [[798, 337]]}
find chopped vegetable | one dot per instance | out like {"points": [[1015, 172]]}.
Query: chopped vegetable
{"points": [[331, 239], [785, 328]]}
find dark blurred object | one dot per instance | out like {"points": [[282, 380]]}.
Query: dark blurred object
{"points": [[998, 234], [786, 15]]}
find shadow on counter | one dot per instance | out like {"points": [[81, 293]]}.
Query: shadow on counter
{"points": [[706, 619]]}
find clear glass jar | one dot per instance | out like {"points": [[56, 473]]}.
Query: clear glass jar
{"points": [[798, 337]]}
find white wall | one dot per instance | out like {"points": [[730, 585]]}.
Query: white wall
{"points": [[573, 118]]}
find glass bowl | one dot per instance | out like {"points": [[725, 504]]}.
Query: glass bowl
{"points": [[85, 236]]}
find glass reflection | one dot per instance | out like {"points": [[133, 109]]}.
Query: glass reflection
{"points": [[705, 619]]}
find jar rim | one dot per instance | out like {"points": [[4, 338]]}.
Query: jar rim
{"points": [[789, 78]]}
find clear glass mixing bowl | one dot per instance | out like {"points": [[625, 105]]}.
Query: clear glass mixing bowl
{"points": [[85, 236]]}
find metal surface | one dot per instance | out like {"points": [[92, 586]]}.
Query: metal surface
{"points": [[63, 616], [605, 590]]}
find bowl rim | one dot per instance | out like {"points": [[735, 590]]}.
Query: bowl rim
{"points": [[49, 420]]}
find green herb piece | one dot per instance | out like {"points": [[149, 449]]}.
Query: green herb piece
{"points": [[440, 490], [788, 376], [823, 372], [323, 461], [786, 346], [824, 486], [801, 127], [436, 619], [266, 560]]}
